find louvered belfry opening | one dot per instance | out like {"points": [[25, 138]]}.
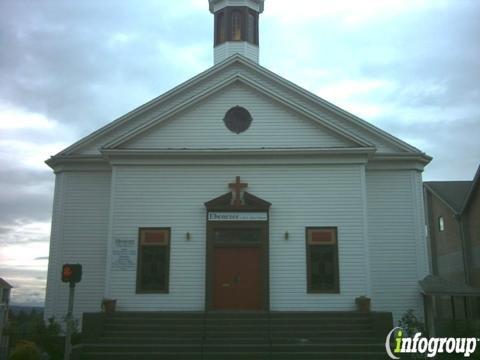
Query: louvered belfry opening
{"points": [[236, 23]]}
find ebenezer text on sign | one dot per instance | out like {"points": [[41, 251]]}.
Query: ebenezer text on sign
{"points": [[237, 216]]}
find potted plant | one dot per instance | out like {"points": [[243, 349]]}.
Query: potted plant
{"points": [[363, 303], [108, 305]]}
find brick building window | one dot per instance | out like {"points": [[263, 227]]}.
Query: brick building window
{"points": [[441, 224]]}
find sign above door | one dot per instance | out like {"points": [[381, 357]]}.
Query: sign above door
{"points": [[237, 216]]}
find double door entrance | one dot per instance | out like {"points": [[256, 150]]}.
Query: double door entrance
{"points": [[237, 266]]}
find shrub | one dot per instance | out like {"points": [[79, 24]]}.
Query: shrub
{"points": [[410, 324]]}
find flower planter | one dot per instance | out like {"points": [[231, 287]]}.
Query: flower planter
{"points": [[109, 305], [363, 303]]}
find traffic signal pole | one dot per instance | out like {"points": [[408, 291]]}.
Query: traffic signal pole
{"points": [[72, 274], [70, 322]]}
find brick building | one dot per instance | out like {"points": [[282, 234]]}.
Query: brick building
{"points": [[453, 220]]}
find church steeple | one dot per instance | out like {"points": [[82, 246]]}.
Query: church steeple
{"points": [[236, 28]]}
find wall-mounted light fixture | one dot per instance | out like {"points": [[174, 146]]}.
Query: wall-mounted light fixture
{"points": [[287, 235], [188, 236]]}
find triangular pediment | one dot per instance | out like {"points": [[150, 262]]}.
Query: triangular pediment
{"points": [[277, 123], [332, 126]]}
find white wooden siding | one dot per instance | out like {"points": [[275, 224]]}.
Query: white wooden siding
{"points": [[320, 196], [397, 242], [227, 49], [273, 125], [93, 147], [54, 258], [79, 235], [301, 196]]}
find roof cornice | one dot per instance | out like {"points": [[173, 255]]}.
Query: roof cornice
{"points": [[248, 156], [61, 163], [397, 161], [306, 155], [420, 157], [239, 151]]}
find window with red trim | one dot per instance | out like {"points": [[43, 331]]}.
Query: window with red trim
{"points": [[322, 260], [153, 260]]}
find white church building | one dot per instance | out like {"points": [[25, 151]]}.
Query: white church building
{"points": [[238, 190]]}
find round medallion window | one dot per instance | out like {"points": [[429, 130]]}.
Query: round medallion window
{"points": [[237, 119]]}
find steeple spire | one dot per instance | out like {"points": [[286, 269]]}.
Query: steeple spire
{"points": [[236, 28]]}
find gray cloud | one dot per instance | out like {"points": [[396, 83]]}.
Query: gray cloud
{"points": [[14, 236], [427, 60], [33, 207], [25, 194], [24, 176], [28, 285], [86, 62], [456, 151]]}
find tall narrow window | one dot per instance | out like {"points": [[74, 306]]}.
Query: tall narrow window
{"points": [[251, 28], [220, 28], [441, 224], [153, 260], [236, 25], [322, 260]]}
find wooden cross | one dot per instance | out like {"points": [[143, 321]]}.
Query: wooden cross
{"points": [[237, 187]]}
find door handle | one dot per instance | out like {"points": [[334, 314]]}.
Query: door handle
{"points": [[226, 285]]}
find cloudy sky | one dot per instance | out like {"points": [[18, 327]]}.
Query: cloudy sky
{"points": [[411, 67]]}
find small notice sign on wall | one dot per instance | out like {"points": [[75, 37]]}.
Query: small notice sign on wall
{"points": [[124, 255], [237, 216]]}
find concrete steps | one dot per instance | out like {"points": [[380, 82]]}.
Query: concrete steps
{"points": [[232, 336]]}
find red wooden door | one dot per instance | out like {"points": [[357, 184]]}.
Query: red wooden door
{"points": [[237, 283]]}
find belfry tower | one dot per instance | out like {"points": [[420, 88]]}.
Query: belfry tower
{"points": [[236, 28]]}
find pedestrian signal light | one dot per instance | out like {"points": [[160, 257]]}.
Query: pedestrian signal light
{"points": [[72, 273]]}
